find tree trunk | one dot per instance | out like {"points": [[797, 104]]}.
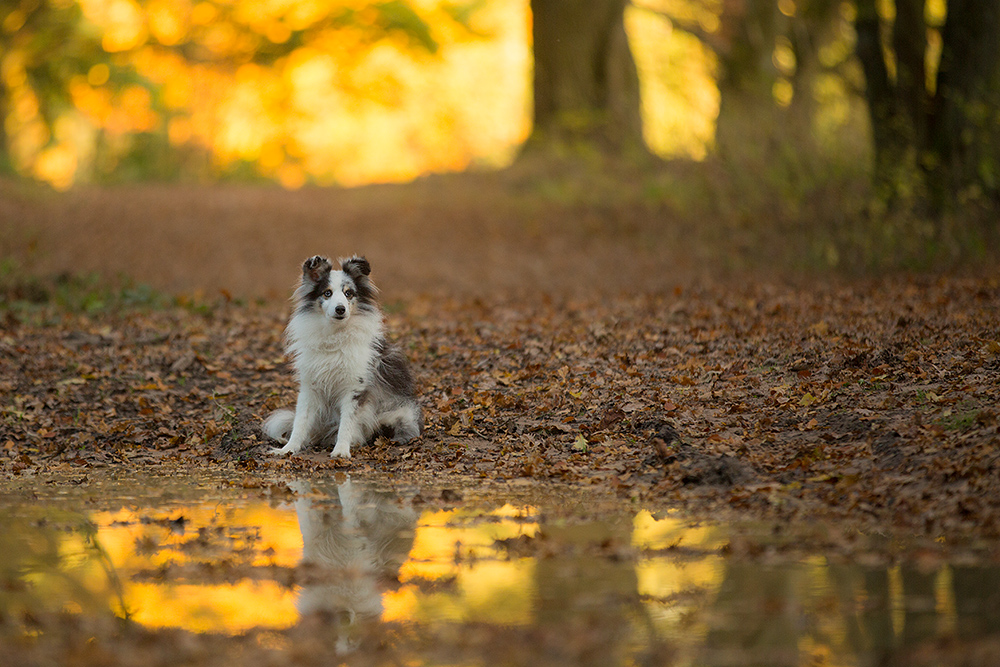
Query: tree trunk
{"points": [[586, 87], [893, 143], [966, 132], [909, 42], [935, 151], [748, 116]]}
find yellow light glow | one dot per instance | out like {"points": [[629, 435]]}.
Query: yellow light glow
{"points": [[12, 69], [347, 106], [783, 56], [122, 21], [218, 608], [680, 101], [167, 20], [98, 75], [14, 21], [783, 91], [203, 13]]}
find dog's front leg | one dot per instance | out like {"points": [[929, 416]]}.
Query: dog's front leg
{"points": [[308, 414], [355, 411], [347, 430]]}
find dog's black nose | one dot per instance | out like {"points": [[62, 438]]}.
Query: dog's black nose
{"points": [[340, 310]]}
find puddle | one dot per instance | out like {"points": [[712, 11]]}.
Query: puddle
{"points": [[385, 574]]}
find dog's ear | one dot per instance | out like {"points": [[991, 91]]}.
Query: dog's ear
{"points": [[356, 267], [316, 268]]}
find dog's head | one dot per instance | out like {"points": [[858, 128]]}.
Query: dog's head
{"points": [[337, 293]]}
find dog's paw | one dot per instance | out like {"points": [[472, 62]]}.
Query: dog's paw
{"points": [[280, 451], [341, 453]]}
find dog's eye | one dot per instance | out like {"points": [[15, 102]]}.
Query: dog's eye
{"points": [[349, 293], [328, 293]]}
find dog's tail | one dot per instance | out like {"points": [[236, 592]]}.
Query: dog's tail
{"points": [[278, 426]]}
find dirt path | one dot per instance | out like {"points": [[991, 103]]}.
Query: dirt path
{"points": [[461, 235]]}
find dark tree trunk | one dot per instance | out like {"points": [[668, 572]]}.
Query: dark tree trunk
{"points": [[586, 87], [966, 132], [942, 149], [747, 110], [888, 123], [909, 42]]}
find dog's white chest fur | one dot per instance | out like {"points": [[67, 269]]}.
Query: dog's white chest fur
{"points": [[331, 358]]}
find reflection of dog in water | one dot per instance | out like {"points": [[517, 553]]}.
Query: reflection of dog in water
{"points": [[361, 543]]}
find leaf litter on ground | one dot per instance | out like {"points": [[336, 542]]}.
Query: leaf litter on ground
{"points": [[871, 403]]}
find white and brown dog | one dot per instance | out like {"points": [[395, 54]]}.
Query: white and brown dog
{"points": [[354, 384]]}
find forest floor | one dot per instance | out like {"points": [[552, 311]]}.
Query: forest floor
{"points": [[875, 405], [626, 349], [618, 347]]}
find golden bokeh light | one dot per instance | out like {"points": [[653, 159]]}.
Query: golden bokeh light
{"points": [[343, 103], [122, 22]]}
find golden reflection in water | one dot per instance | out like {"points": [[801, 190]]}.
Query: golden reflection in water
{"points": [[220, 608], [216, 537], [675, 587], [448, 548], [220, 568], [456, 547]]}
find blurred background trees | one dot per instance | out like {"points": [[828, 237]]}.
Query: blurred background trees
{"points": [[905, 93], [933, 95], [586, 85], [98, 90]]}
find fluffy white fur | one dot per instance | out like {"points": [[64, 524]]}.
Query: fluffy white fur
{"points": [[353, 383]]}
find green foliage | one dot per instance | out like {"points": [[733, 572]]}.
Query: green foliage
{"points": [[964, 420], [397, 16], [86, 294]]}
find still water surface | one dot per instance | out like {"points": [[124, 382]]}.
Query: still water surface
{"points": [[565, 586]]}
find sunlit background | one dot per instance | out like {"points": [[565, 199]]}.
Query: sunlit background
{"points": [[338, 91]]}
